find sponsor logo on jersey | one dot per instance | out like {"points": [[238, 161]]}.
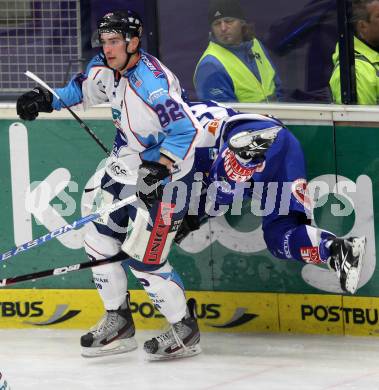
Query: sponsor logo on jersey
{"points": [[155, 95], [310, 254], [153, 65], [287, 251], [235, 170], [212, 126], [117, 170], [300, 192], [135, 80], [116, 116]]}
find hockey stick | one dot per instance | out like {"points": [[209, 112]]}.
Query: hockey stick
{"points": [[81, 123], [64, 229], [61, 270]]}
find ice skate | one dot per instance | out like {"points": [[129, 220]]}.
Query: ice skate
{"points": [[113, 334], [253, 144], [346, 260], [181, 340]]}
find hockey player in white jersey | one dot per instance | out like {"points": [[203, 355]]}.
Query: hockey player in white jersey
{"points": [[156, 135]]}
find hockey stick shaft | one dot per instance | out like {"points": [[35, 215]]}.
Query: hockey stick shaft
{"points": [[61, 270], [80, 121], [64, 229]]}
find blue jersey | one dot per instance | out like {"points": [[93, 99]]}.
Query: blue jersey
{"points": [[276, 185], [278, 182]]}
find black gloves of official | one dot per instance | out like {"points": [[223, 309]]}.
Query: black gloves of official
{"points": [[31, 103], [149, 182]]}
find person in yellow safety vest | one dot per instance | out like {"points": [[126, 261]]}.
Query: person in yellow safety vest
{"points": [[365, 19], [235, 67]]}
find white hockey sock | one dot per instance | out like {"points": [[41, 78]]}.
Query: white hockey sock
{"points": [[111, 283], [165, 289]]}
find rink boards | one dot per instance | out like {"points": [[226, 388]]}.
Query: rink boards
{"points": [[226, 265], [216, 311]]}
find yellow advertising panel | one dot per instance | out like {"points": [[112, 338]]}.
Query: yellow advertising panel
{"points": [[310, 313], [81, 309], [237, 311], [65, 309], [216, 311], [361, 316]]}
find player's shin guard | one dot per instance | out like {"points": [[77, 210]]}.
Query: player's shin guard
{"points": [[111, 283], [110, 279], [165, 288]]}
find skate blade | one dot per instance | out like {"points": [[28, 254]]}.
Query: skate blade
{"points": [[353, 276], [188, 352], [114, 348]]}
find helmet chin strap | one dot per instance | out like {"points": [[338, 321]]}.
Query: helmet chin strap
{"points": [[128, 54]]}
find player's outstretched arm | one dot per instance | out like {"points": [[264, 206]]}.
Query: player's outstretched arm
{"points": [[31, 103]]}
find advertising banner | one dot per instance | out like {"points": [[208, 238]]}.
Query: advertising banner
{"points": [[50, 170]]}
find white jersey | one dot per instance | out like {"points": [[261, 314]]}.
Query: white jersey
{"points": [[148, 112]]}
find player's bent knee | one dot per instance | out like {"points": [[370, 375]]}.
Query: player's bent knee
{"points": [[157, 277]]}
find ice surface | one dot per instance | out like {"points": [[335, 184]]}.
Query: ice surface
{"points": [[50, 360]]}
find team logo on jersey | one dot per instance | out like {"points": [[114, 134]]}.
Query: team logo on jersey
{"points": [[300, 192], [236, 171], [310, 254], [153, 65]]}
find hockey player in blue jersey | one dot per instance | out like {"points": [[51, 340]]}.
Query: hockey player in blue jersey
{"points": [[254, 156], [156, 136]]}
